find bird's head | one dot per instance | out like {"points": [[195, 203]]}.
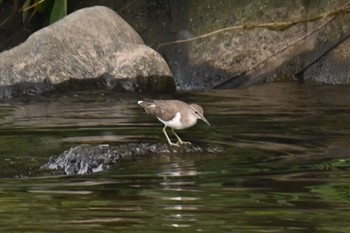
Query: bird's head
{"points": [[198, 112]]}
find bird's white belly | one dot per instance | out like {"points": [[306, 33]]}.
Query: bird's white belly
{"points": [[175, 123]]}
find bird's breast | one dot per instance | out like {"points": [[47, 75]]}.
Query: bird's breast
{"points": [[178, 123]]}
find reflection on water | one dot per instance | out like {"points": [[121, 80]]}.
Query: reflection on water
{"points": [[286, 168]]}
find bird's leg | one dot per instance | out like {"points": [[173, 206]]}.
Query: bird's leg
{"points": [[179, 139], [167, 137]]}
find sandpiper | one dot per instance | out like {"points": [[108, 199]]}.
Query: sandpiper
{"points": [[174, 114]]}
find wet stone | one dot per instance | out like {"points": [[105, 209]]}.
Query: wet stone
{"points": [[83, 159]]}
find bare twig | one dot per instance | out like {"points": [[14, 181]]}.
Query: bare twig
{"points": [[32, 6], [271, 26], [299, 73]]}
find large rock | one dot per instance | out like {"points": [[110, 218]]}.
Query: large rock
{"points": [[206, 61], [89, 43]]}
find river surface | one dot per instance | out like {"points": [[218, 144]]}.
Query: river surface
{"points": [[285, 168]]}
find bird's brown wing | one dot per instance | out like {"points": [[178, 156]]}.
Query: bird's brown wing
{"points": [[164, 109]]}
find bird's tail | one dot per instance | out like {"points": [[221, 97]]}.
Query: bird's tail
{"points": [[145, 103]]}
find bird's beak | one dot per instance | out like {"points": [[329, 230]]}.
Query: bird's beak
{"points": [[205, 120]]}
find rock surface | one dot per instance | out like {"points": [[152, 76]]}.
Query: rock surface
{"points": [[84, 159], [89, 43], [206, 61]]}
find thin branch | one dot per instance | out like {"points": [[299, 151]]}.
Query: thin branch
{"points": [[272, 26], [32, 6], [299, 73]]}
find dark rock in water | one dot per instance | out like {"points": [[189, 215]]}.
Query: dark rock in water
{"points": [[84, 159]]}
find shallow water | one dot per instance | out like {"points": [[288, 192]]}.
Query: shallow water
{"points": [[286, 168]]}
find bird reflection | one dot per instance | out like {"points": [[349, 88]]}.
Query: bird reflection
{"points": [[181, 201]]}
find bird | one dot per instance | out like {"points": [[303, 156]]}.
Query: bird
{"points": [[174, 114]]}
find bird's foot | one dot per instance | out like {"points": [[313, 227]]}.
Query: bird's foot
{"points": [[180, 142], [174, 144]]}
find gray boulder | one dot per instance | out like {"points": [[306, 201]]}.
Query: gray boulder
{"points": [[89, 43]]}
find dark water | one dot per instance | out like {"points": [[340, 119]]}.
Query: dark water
{"points": [[286, 168]]}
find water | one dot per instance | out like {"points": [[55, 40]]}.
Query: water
{"points": [[286, 168]]}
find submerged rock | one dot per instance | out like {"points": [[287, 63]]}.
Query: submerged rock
{"points": [[84, 159], [89, 43]]}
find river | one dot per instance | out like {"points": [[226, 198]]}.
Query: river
{"points": [[285, 167]]}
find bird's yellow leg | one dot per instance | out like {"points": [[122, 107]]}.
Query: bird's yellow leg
{"points": [[179, 139], [167, 137]]}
